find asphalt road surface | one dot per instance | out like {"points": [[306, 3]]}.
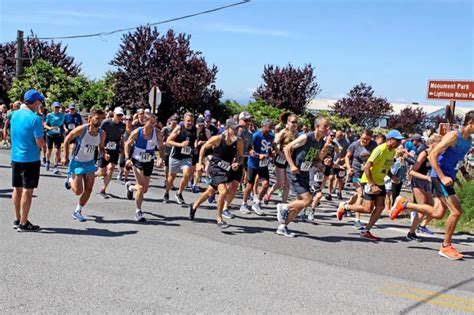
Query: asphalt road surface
{"points": [[111, 264]]}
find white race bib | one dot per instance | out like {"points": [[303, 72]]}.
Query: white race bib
{"points": [[280, 160], [186, 150], [111, 145], [341, 173], [318, 177], [145, 157], [55, 129], [224, 165], [367, 189], [71, 126], [263, 163], [306, 166], [89, 151]]}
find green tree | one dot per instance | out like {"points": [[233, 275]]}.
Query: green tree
{"points": [[261, 110]]}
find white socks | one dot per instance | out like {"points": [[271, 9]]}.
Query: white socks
{"points": [[78, 208]]}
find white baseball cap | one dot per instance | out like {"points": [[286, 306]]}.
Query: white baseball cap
{"points": [[118, 111]]}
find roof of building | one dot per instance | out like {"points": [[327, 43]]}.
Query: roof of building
{"points": [[431, 110]]}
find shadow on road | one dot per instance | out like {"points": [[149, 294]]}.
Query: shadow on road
{"points": [[6, 193], [87, 231], [434, 296], [100, 220]]}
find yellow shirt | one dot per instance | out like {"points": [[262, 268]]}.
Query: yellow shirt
{"points": [[382, 160]]}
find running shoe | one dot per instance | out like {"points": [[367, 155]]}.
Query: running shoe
{"points": [[368, 235], [280, 193], [450, 252], [227, 214], [282, 213], [129, 192], [424, 229], [166, 198], [47, 167], [398, 206], [139, 216], [192, 212], [222, 225], [302, 216], [196, 189], [179, 198], [56, 171], [77, 215], [212, 198], [67, 183], [339, 195], [310, 215], [341, 210], [257, 209], [244, 209], [266, 199], [283, 230], [44, 161], [103, 193], [328, 197], [28, 227], [412, 237], [16, 223], [359, 225]]}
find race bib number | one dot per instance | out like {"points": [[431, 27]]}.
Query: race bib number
{"points": [[89, 150], [145, 157], [318, 177], [186, 151], [306, 166], [263, 163], [224, 165], [55, 129], [341, 173], [71, 126], [367, 190], [111, 146], [280, 160]]}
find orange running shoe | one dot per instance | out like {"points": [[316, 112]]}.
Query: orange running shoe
{"points": [[341, 210], [450, 252], [398, 207]]}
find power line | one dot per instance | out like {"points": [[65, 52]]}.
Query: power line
{"points": [[101, 34]]}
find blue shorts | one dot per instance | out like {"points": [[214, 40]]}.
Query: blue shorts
{"points": [[81, 168]]}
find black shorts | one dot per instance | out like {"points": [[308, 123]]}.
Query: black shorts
{"points": [[147, 167], [339, 172], [114, 157], [327, 170], [195, 159], [218, 176], [235, 175], [383, 193], [26, 175], [299, 182], [54, 140], [440, 190], [263, 173], [421, 184]]}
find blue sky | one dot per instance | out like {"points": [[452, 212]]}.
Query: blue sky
{"points": [[393, 45]]}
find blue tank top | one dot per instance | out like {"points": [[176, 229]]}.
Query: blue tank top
{"points": [[144, 150], [450, 158]]}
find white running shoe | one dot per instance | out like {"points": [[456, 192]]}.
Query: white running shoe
{"points": [[257, 209], [244, 209]]}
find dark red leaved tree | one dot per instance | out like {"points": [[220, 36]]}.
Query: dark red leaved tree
{"points": [[410, 120], [288, 87]]}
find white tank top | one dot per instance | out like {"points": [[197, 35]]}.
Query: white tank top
{"points": [[86, 146]]}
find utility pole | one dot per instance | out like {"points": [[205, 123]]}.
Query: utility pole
{"points": [[19, 54]]}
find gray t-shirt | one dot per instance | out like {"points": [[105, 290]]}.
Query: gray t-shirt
{"points": [[360, 154], [165, 132], [343, 146], [247, 138], [114, 133]]}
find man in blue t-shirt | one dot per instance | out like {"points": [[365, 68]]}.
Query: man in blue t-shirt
{"points": [[72, 120], [54, 125], [258, 161], [27, 138]]}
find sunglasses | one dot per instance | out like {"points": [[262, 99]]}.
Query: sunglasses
{"points": [[294, 122]]}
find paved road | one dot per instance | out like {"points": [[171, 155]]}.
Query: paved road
{"points": [[113, 264]]}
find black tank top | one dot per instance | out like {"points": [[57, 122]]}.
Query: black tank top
{"points": [[184, 135], [425, 167], [225, 152], [201, 137]]}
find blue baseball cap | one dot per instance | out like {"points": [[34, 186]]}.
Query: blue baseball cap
{"points": [[32, 96], [56, 104], [394, 134]]}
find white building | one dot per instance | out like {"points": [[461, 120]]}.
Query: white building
{"points": [[318, 105]]}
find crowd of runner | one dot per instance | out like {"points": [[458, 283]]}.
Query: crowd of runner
{"points": [[238, 155]]}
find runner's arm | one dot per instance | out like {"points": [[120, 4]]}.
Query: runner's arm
{"points": [[128, 144], [161, 147], [348, 158], [368, 173], [102, 144], [240, 152], [170, 141], [447, 141], [414, 169], [76, 132], [288, 149], [213, 142]]}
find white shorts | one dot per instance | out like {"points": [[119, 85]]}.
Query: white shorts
{"points": [[177, 166]]}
